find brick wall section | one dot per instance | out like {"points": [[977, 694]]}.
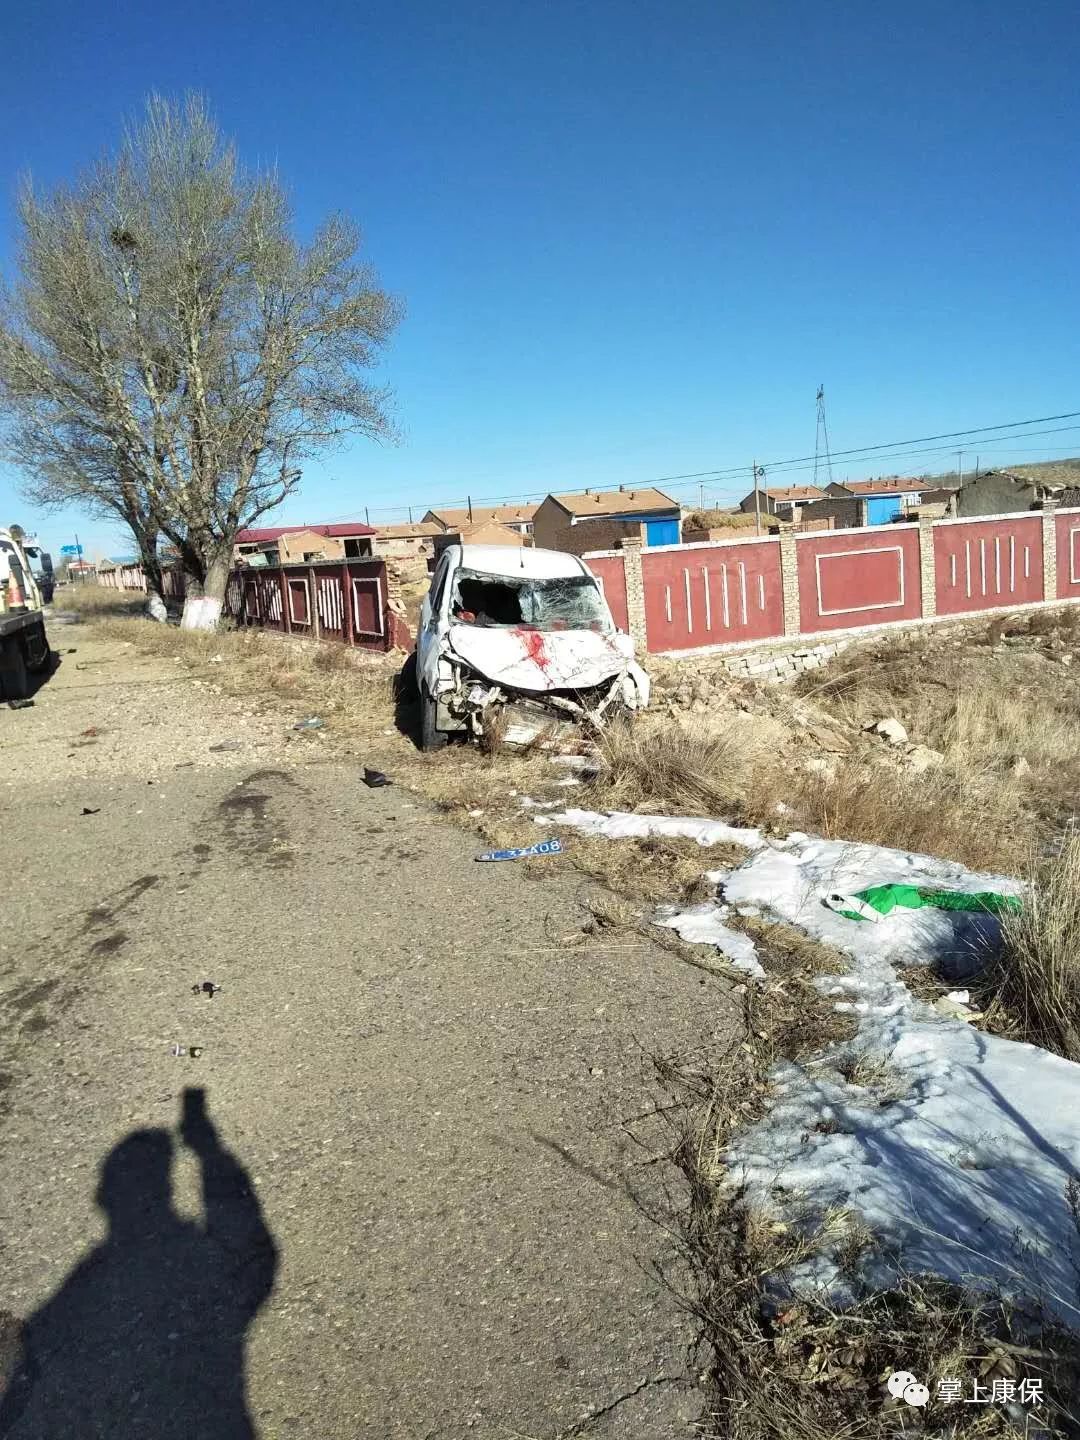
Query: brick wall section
{"points": [[927, 570], [635, 594], [789, 570], [1049, 549], [590, 535], [845, 514]]}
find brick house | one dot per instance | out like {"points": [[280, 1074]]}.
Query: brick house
{"points": [[786, 502], [600, 519], [406, 539], [293, 544], [516, 517]]}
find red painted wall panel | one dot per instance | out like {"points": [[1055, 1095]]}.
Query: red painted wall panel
{"points": [[988, 563], [712, 594], [867, 578], [1068, 555], [608, 569]]}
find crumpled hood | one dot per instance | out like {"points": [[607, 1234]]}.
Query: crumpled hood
{"points": [[540, 660]]}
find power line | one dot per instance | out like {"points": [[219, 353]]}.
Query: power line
{"points": [[792, 464]]}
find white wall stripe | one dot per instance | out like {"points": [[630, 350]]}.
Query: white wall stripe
{"points": [[967, 568], [1027, 562], [742, 590], [1012, 564], [1074, 578], [982, 565], [708, 600], [761, 592], [689, 607], [997, 564], [723, 596], [952, 571], [667, 602]]}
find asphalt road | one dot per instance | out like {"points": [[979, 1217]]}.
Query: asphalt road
{"points": [[395, 1199]]}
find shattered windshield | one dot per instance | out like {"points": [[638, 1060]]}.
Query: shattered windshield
{"points": [[564, 602]]}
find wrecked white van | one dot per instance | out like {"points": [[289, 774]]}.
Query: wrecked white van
{"points": [[520, 643]]}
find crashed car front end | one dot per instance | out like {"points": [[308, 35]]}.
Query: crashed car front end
{"points": [[524, 686]]}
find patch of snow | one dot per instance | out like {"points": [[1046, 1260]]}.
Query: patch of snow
{"points": [[789, 882], [704, 925], [620, 825], [965, 1176]]}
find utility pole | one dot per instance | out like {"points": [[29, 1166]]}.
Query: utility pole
{"points": [[758, 472], [367, 517], [959, 468], [701, 496], [469, 499]]}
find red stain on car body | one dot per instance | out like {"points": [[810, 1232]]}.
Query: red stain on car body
{"points": [[535, 649]]}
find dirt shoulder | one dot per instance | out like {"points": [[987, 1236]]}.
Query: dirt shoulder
{"points": [[422, 1069]]}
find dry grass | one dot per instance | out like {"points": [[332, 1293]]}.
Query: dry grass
{"points": [[980, 824], [1032, 987], [675, 767], [782, 1361], [96, 601]]}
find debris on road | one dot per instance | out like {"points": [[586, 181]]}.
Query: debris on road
{"points": [[192, 1051], [313, 722], [207, 988], [226, 745], [545, 847], [374, 779], [86, 810]]}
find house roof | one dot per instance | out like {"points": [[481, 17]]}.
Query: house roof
{"points": [[796, 492], [1066, 473], [615, 502], [408, 529], [453, 519], [885, 485], [274, 532]]}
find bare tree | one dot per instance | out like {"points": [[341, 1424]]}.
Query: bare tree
{"points": [[172, 354]]}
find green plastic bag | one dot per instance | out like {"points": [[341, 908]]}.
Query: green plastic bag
{"points": [[879, 900]]}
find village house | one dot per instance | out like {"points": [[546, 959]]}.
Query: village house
{"points": [[600, 519], [295, 544], [515, 517], [786, 502]]}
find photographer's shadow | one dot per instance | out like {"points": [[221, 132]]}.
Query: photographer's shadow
{"points": [[147, 1335]]}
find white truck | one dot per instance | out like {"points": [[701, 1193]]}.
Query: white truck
{"points": [[24, 648]]}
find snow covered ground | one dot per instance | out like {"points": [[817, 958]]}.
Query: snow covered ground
{"points": [[965, 1175]]}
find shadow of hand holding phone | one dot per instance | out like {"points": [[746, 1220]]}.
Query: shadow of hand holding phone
{"points": [[147, 1335]]}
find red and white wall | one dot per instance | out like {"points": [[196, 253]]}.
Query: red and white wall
{"points": [[704, 596]]}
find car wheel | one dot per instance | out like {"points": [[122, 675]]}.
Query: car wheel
{"points": [[431, 737], [14, 682], [38, 655]]}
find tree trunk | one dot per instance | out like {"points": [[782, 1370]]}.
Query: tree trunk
{"points": [[204, 598], [151, 568]]}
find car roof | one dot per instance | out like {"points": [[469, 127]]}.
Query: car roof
{"points": [[514, 561]]}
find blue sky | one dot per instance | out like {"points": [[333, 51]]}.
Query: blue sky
{"points": [[632, 236]]}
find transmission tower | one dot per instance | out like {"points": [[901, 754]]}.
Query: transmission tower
{"points": [[822, 458]]}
